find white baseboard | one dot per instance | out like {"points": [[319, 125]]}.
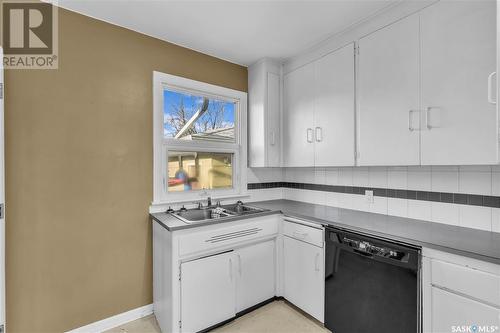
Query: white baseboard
{"points": [[116, 320]]}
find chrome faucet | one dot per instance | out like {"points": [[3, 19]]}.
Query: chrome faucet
{"points": [[200, 203]]}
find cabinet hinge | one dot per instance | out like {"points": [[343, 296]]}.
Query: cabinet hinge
{"points": [[2, 214], [1, 90]]}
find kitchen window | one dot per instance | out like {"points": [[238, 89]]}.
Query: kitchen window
{"points": [[199, 140]]}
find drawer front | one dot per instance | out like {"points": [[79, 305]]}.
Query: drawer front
{"points": [[450, 310], [304, 233], [236, 233], [480, 285]]}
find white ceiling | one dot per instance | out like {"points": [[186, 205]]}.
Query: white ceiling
{"points": [[238, 31]]}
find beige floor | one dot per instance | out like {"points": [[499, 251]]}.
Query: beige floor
{"points": [[276, 317]]}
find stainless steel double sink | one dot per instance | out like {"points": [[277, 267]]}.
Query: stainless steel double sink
{"points": [[199, 215]]}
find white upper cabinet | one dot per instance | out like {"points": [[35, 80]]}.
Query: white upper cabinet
{"points": [[388, 95], [458, 54], [318, 117], [264, 137], [273, 152], [334, 108], [298, 132]]}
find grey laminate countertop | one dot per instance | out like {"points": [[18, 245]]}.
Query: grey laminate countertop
{"points": [[478, 244]]}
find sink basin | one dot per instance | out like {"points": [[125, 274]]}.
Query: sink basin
{"points": [[240, 209], [198, 215]]}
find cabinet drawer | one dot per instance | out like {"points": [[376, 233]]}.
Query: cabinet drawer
{"points": [[480, 285], [304, 233], [236, 233], [450, 310]]}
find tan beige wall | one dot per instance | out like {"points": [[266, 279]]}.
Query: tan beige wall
{"points": [[79, 173]]}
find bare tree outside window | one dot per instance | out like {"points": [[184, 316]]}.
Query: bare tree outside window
{"points": [[189, 117]]}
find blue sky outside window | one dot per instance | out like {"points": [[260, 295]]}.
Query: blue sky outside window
{"points": [[191, 117]]}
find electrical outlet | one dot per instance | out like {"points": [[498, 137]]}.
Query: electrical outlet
{"points": [[369, 196]]}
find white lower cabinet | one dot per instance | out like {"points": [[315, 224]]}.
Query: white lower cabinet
{"points": [[459, 294], [208, 291], [215, 288], [451, 310], [256, 276], [303, 276]]}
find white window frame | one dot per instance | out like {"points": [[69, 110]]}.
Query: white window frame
{"points": [[161, 145]]}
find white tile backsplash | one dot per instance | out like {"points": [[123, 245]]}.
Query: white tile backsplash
{"points": [[420, 210], [379, 205], [360, 176], [264, 175], [419, 178], [495, 219], [445, 213], [332, 176], [475, 217], [444, 179], [483, 180], [475, 180], [359, 202], [265, 194], [345, 176], [397, 207], [377, 177], [319, 176], [495, 183], [397, 178]]}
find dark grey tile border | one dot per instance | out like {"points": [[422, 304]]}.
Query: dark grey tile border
{"points": [[457, 198]]}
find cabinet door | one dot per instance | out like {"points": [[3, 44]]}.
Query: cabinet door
{"points": [[303, 276], [388, 119], [450, 310], [458, 55], [256, 275], [298, 137], [273, 120], [208, 291], [334, 108]]}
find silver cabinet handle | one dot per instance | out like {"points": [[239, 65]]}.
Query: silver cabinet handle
{"points": [[428, 116], [490, 87], [239, 264], [273, 138], [316, 266], [231, 269], [310, 135], [300, 235], [319, 134], [410, 120]]}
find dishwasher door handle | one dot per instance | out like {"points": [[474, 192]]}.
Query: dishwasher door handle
{"points": [[364, 254]]}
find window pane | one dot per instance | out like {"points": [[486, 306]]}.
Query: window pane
{"points": [[191, 117], [199, 170]]}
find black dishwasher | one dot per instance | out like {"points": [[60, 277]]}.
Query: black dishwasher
{"points": [[371, 285]]}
